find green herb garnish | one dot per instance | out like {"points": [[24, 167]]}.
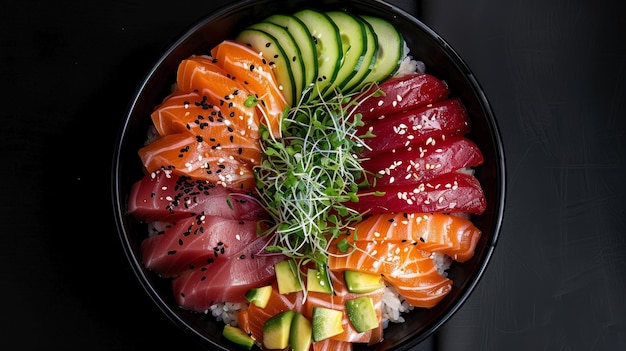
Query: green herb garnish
{"points": [[306, 177]]}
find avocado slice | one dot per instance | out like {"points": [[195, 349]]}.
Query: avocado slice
{"points": [[238, 336], [259, 296], [276, 330], [317, 280], [362, 314], [362, 283], [326, 323], [287, 277], [301, 333]]}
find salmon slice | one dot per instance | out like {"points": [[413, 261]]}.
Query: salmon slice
{"points": [[244, 64], [196, 241], [433, 232], [336, 301], [411, 271], [229, 164], [191, 112], [201, 74], [165, 197], [332, 345], [252, 319], [226, 280]]}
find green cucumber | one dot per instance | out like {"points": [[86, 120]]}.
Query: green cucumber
{"points": [[272, 51], [292, 51], [354, 47], [369, 59], [325, 35], [302, 37], [390, 50]]}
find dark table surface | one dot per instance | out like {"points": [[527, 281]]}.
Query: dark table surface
{"points": [[554, 72]]}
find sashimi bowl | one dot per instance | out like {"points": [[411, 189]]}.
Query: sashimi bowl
{"points": [[309, 174]]}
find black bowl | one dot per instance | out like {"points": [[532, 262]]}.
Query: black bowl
{"points": [[426, 45]]}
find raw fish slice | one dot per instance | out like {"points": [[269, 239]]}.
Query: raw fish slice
{"points": [[451, 192], [419, 163], [433, 232], [190, 112], [196, 241], [252, 319], [186, 155], [166, 197], [337, 301], [226, 280], [332, 345], [401, 94], [245, 64], [421, 125], [411, 271], [201, 74]]}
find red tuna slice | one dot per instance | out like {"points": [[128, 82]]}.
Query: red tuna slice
{"points": [[423, 162], [417, 126], [191, 112], [451, 192], [400, 94], [226, 280], [164, 196], [196, 241]]}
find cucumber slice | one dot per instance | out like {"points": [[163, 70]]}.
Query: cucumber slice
{"points": [[369, 59], [292, 51], [325, 35], [302, 36], [271, 50], [390, 50], [354, 46]]}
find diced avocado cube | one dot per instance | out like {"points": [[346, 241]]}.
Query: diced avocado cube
{"points": [[362, 314], [259, 296], [276, 330], [326, 323], [287, 277], [301, 333], [238, 336], [362, 283], [317, 280]]}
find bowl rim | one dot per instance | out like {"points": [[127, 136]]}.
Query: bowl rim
{"points": [[118, 198]]}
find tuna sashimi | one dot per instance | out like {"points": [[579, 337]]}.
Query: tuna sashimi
{"points": [[421, 125], [202, 159], [226, 280], [166, 197], [422, 162], [451, 192], [411, 271], [200, 73], [400, 94], [191, 112], [196, 241], [245, 64], [433, 232]]}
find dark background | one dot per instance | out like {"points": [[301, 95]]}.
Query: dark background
{"points": [[554, 72]]}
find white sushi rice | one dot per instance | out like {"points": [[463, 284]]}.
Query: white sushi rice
{"points": [[227, 312]]}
